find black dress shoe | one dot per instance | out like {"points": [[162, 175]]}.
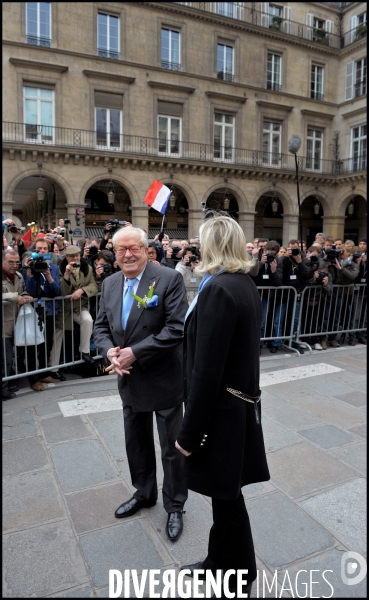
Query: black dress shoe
{"points": [[12, 387], [129, 508], [87, 358], [196, 567], [174, 525], [58, 375], [8, 395]]}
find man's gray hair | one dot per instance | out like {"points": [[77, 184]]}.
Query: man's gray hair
{"points": [[320, 234], [10, 251], [142, 234]]}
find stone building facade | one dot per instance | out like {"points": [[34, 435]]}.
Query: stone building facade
{"points": [[103, 97]]}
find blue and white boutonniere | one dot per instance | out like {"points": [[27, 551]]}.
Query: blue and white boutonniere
{"points": [[148, 301]]}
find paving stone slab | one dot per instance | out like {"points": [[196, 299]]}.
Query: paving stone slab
{"points": [[322, 386], [359, 385], [18, 425], [81, 464], [49, 408], [192, 546], [20, 456], [126, 546], [41, 561], [329, 563], [290, 390], [344, 377], [293, 417], [359, 430], [94, 508], [93, 386], [301, 469], [256, 489], [270, 401], [356, 398], [283, 532], [112, 432], [60, 429], [330, 410], [354, 456], [276, 436], [107, 414], [30, 499], [327, 436], [28, 400], [341, 510], [85, 592]]}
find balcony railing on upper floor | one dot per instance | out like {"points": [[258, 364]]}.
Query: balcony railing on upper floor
{"points": [[38, 41], [113, 54], [242, 12], [354, 35], [171, 66], [80, 139]]}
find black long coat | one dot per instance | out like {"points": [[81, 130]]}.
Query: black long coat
{"points": [[221, 349]]}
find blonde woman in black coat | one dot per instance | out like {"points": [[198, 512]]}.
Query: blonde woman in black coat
{"points": [[221, 433]]}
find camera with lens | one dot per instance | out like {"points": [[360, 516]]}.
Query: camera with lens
{"points": [[193, 258], [176, 249], [38, 264], [93, 250], [321, 276], [115, 224], [77, 264], [66, 221], [332, 253], [270, 257], [295, 251], [356, 255], [107, 270], [13, 229]]}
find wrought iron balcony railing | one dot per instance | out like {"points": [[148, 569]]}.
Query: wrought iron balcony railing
{"points": [[38, 41], [276, 87], [108, 53], [316, 96], [354, 35], [134, 145], [225, 76], [172, 66]]}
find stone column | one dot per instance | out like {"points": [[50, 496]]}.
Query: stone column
{"points": [[140, 217], [247, 222], [7, 209], [290, 228], [195, 217], [334, 226]]}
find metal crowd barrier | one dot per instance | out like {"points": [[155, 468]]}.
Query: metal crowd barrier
{"points": [[287, 317], [321, 315]]}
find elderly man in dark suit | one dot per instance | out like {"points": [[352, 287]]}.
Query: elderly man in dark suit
{"points": [[144, 346]]}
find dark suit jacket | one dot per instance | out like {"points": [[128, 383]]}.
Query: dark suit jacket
{"points": [[154, 334], [221, 349]]}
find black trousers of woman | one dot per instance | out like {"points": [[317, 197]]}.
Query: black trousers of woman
{"points": [[230, 540]]}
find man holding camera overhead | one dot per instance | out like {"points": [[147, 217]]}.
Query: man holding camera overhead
{"points": [[77, 280]]}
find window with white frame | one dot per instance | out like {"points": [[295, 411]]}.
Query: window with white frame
{"points": [[276, 17], [319, 30], [314, 148], [358, 26], [170, 133], [225, 62], [170, 49], [223, 136], [272, 133], [38, 23], [233, 10], [108, 36], [358, 148], [38, 115], [356, 78], [317, 82], [274, 72], [109, 128]]}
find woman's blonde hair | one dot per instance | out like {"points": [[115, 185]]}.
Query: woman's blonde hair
{"points": [[223, 246]]}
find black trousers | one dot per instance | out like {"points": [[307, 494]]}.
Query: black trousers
{"points": [[230, 540], [140, 448]]}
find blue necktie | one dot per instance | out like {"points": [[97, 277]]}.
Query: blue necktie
{"points": [[127, 301]]}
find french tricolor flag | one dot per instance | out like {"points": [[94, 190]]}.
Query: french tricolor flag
{"points": [[157, 196]]}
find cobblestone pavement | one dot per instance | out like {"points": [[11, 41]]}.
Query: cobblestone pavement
{"points": [[63, 477]]}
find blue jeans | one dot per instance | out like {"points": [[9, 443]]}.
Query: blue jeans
{"points": [[279, 313]]}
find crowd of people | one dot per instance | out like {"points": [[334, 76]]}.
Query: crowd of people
{"points": [[53, 268]]}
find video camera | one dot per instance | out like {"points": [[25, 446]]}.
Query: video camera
{"points": [[115, 224], [38, 264], [332, 253]]}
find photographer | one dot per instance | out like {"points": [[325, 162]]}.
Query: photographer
{"points": [[50, 245], [110, 228], [173, 255], [269, 275], [90, 251], [153, 253], [296, 273], [16, 242], [344, 271], [313, 310], [103, 266], [78, 280], [190, 259], [41, 282], [358, 318]]}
